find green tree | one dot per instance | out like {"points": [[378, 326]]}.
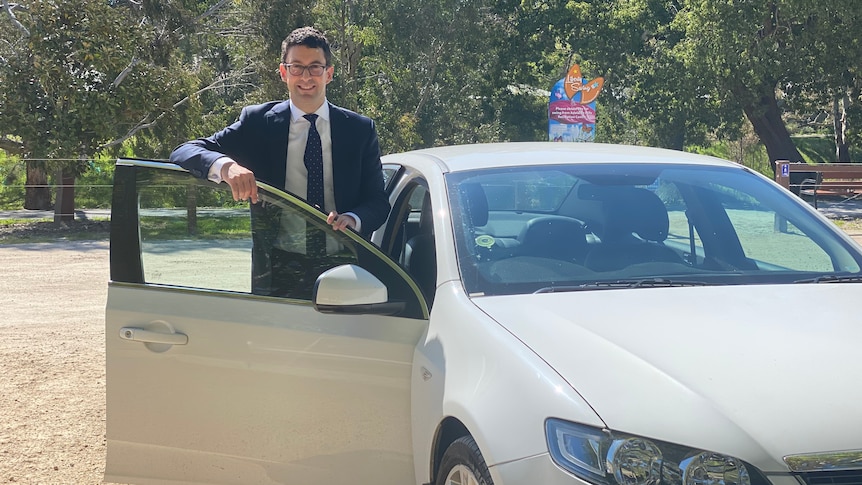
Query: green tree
{"points": [[84, 77], [438, 73], [680, 70], [428, 73], [77, 78], [760, 54]]}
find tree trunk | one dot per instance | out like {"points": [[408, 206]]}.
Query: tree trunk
{"points": [[763, 112], [676, 141], [64, 208], [37, 195], [839, 122], [192, 210]]}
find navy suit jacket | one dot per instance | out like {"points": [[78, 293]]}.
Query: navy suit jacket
{"points": [[258, 141]]}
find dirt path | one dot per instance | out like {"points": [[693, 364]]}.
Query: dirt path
{"points": [[52, 362]]}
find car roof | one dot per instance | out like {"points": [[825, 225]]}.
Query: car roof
{"points": [[456, 158]]}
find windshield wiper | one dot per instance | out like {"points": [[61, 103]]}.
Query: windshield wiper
{"points": [[833, 278], [632, 283]]}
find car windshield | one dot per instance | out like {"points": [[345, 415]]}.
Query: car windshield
{"points": [[598, 226]]}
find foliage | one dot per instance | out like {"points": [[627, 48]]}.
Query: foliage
{"points": [[430, 73], [80, 80], [93, 187], [762, 54], [819, 148], [88, 79], [752, 156]]}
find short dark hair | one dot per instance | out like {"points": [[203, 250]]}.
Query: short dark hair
{"points": [[308, 37]]}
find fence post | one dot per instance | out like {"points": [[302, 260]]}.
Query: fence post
{"points": [[782, 173], [782, 176]]}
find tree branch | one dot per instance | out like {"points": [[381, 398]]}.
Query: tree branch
{"points": [[212, 9], [11, 146], [425, 92], [125, 72], [8, 9], [144, 124]]}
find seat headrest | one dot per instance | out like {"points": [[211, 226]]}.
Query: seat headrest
{"points": [[426, 216], [631, 210], [475, 203], [554, 237]]}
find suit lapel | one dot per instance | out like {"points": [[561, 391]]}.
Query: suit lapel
{"points": [[338, 131], [274, 154]]}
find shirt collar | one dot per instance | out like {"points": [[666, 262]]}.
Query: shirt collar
{"points": [[296, 113]]}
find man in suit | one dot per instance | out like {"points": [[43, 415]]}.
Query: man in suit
{"points": [[305, 145]]}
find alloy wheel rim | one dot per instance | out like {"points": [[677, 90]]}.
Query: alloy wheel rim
{"points": [[461, 475]]}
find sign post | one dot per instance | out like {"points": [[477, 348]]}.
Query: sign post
{"points": [[572, 107]]}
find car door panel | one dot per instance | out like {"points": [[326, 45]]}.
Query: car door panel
{"points": [[284, 394], [264, 389]]}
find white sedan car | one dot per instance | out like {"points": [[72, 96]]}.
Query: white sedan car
{"points": [[537, 313]]}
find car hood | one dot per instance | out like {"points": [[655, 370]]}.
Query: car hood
{"points": [[758, 372]]}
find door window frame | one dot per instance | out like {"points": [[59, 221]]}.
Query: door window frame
{"points": [[126, 262]]}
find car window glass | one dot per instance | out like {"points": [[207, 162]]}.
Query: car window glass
{"points": [[194, 235], [587, 225], [389, 172], [767, 238], [539, 190], [755, 228]]}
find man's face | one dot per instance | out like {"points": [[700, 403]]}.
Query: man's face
{"points": [[306, 91]]}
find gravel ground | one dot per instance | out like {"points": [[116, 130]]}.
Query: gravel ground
{"points": [[52, 362], [52, 353]]}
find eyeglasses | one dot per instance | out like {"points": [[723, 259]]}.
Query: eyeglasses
{"points": [[297, 69]]}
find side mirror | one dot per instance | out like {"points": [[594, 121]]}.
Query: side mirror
{"points": [[351, 290]]}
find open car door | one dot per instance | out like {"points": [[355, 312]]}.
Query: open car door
{"points": [[212, 379]]}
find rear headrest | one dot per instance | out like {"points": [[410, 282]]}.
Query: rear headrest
{"points": [[475, 203], [628, 210]]}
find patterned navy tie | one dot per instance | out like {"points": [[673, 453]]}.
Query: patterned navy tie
{"points": [[314, 164], [315, 239]]}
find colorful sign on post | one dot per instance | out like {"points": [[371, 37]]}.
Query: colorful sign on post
{"points": [[572, 107]]}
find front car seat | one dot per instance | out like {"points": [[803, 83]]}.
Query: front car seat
{"points": [[633, 230], [420, 257]]}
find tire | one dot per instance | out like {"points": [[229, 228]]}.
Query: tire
{"points": [[463, 464]]}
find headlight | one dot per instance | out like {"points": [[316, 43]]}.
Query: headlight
{"points": [[603, 457]]}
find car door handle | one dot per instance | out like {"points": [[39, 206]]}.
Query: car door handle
{"points": [[150, 337]]}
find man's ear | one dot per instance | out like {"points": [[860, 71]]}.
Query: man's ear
{"points": [[282, 70], [330, 73]]}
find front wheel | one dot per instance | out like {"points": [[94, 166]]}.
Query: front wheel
{"points": [[463, 464]]}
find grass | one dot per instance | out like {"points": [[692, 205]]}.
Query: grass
{"points": [[17, 231], [849, 225], [820, 148], [169, 228]]}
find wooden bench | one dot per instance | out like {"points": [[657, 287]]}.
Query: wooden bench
{"points": [[843, 179]]}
